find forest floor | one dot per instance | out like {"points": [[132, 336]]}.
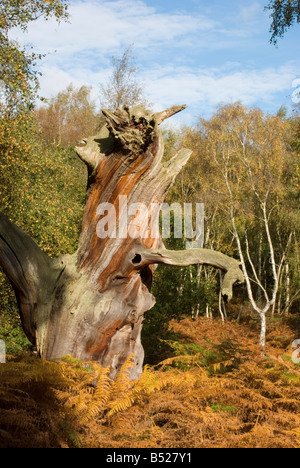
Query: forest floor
{"points": [[215, 390]]}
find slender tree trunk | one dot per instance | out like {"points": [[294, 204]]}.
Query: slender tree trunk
{"points": [[260, 269], [287, 286], [91, 304], [263, 329]]}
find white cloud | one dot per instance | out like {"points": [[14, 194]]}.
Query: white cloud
{"points": [[204, 89], [250, 13], [54, 79], [80, 51], [107, 25], [170, 48]]}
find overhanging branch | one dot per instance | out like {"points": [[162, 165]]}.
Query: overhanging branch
{"points": [[182, 258]]}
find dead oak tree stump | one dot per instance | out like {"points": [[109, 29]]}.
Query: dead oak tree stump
{"points": [[91, 304]]}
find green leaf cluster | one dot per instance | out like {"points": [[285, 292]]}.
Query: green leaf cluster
{"points": [[18, 73], [284, 14]]}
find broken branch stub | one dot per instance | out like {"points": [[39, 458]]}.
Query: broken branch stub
{"points": [[183, 258]]}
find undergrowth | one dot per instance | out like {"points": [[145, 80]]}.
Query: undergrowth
{"points": [[217, 390]]}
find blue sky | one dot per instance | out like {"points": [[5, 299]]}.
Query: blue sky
{"points": [[194, 52]]}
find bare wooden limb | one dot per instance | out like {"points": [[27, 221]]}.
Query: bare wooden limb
{"points": [[166, 114], [175, 164], [93, 149], [182, 258], [31, 273]]}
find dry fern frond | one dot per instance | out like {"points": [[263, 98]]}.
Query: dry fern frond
{"points": [[182, 359], [126, 393], [251, 402], [82, 397]]}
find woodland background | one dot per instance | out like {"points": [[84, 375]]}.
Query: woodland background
{"points": [[206, 382]]}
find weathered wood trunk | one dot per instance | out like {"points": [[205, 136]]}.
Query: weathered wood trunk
{"points": [[91, 304]]}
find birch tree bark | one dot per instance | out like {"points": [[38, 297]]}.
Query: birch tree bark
{"points": [[91, 304]]}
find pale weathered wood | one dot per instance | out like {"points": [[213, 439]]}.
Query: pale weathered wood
{"points": [[32, 274]]}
